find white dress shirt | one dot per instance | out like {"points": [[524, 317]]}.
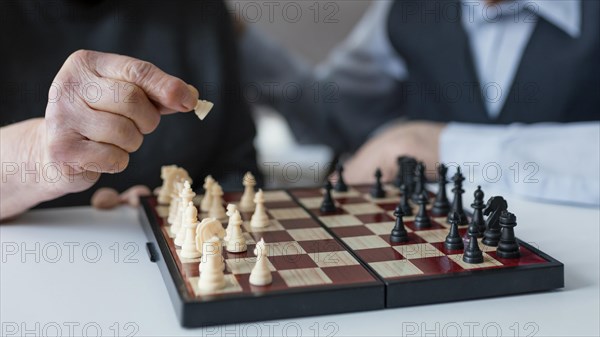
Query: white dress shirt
{"points": [[553, 162]]}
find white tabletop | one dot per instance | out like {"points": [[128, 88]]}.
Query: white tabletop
{"points": [[77, 271]]}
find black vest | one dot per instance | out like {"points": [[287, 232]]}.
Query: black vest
{"points": [[189, 39], [558, 79]]}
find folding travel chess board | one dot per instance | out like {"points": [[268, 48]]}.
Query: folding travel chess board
{"points": [[325, 263]]}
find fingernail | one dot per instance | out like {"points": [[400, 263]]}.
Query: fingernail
{"points": [[191, 99]]}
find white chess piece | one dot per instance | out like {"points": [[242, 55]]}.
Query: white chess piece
{"points": [[212, 277], [261, 274], [260, 219], [206, 230], [237, 241], [190, 223], [186, 197], [231, 208], [167, 174], [247, 200], [217, 210], [207, 199], [175, 200]]}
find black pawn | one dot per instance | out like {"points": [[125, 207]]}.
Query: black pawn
{"points": [[399, 233], [419, 180], [453, 240], [328, 205], [472, 253], [406, 209], [508, 248], [477, 225], [377, 191], [422, 218], [457, 204], [340, 185], [441, 205]]}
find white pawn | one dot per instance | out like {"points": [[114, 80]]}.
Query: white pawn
{"points": [[186, 196], [247, 200], [237, 241], [190, 222], [231, 208], [207, 199], [261, 274], [212, 276], [260, 219], [217, 210]]}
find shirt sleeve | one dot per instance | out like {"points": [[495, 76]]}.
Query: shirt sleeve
{"points": [[547, 161], [344, 99]]}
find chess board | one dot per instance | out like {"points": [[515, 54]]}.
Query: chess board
{"points": [[338, 262]]}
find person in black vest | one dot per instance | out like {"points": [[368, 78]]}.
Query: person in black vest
{"points": [[507, 89], [87, 87]]}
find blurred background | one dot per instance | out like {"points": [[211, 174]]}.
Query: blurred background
{"points": [[310, 29]]}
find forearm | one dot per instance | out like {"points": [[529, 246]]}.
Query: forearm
{"points": [[552, 162], [25, 178]]}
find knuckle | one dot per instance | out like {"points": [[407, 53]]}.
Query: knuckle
{"points": [[138, 71], [80, 56]]}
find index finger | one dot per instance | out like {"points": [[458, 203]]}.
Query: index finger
{"points": [[170, 93]]}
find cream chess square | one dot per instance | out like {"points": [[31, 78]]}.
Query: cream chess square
{"points": [[396, 268], [284, 248], [232, 286], [243, 265], [289, 213], [309, 234], [418, 251], [274, 225], [304, 277], [488, 262], [382, 228], [340, 221], [311, 202], [364, 208], [271, 196], [365, 242], [434, 235]]}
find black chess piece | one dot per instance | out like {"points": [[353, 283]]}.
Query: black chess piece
{"points": [[406, 209], [422, 219], [441, 205], [328, 205], [399, 180], [477, 225], [453, 240], [377, 191], [409, 165], [399, 233], [340, 185], [419, 180], [472, 253], [508, 248], [493, 209], [457, 204]]}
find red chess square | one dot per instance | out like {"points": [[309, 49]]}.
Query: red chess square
{"points": [[388, 206], [440, 246], [277, 284], [434, 225], [190, 269], [280, 204], [351, 200], [272, 236], [363, 188], [412, 239], [348, 274], [298, 223], [232, 197], [307, 193], [297, 261], [374, 218], [344, 232], [527, 258], [321, 246], [379, 254], [437, 265]]}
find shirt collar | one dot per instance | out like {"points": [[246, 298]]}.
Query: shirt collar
{"points": [[564, 14]]}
